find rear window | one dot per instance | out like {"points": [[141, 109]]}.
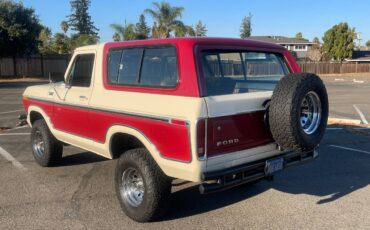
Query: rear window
{"points": [[143, 66], [240, 72]]}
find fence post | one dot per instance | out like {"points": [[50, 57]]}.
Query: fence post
{"points": [[42, 65], [356, 66], [15, 66], [27, 69]]}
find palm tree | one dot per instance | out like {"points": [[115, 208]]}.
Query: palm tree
{"points": [[123, 32], [64, 26], [166, 18]]}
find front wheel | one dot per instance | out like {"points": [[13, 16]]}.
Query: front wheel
{"points": [[46, 149], [143, 190]]}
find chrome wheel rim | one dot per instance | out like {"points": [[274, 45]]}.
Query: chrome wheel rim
{"points": [[132, 188], [310, 115], [38, 144]]}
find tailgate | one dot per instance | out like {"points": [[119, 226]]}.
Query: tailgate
{"points": [[236, 122]]}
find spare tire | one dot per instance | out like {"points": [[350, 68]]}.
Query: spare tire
{"points": [[298, 111]]}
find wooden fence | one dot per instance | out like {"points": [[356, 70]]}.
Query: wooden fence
{"points": [[334, 68], [35, 66], [42, 65]]}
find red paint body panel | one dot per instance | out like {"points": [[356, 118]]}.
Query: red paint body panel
{"points": [[171, 140], [248, 129], [291, 62], [72, 119], [46, 107]]}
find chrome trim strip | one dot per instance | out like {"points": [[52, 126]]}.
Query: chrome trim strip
{"points": [[134, 114]]}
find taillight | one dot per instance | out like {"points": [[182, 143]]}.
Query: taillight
{"points": [[201, 134]]}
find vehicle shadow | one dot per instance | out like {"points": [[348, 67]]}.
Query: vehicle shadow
{"points": [[188, 202], [335, 174], [80, 159]]}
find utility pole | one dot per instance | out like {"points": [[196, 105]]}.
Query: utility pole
{"points": [[358, 38]]}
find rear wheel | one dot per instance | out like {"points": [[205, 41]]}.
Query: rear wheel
{"points": [[46, 150], [298, 111], [143, 190]]}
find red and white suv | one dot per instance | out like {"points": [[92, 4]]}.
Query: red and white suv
{"points": [[222, 112]]}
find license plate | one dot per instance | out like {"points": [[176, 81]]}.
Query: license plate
{"points": [[274, 165]]}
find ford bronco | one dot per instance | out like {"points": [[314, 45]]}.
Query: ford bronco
{"points": [[220, 112]]}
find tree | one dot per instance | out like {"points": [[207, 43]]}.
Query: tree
{"points": [[125, 32], [45, 41], [338, 41], [166, 17], [184, 31], [141, 29], [299, 36], [200, 29], [316, 40], [78, 40], [64, 26], [294, 54], [116, 37], [315, 53], [80, 19], [19, 29], [368, 44], [61, 43], [246, 26]]}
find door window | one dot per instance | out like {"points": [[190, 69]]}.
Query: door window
{"points": [[81, 71]]}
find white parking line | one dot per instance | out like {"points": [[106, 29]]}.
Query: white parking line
{"points": [[14, 111], [350, 149], [363, 119], [357, 81], [13, 134], [10, 158], [20, 127], [341, 128]]}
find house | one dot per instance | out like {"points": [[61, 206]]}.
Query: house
{"points": [[360, 56], [300, 46]]}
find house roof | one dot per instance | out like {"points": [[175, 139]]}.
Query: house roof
{"points": [[280, 40], [360, 56]]}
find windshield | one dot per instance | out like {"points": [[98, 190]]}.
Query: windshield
{"points": [[241, 72]]}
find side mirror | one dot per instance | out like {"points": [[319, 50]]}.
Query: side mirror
{"points": [[56, 77]]}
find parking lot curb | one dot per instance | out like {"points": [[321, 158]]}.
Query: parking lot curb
{"points": [[345, 121]]}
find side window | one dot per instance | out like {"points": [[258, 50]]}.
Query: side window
{"points": [[148, 67], [114, 65], [81, 71], [159, 68], [129, 66], [264, 65]]}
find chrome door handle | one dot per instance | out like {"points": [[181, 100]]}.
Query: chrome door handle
{"points": [[83, 97]]}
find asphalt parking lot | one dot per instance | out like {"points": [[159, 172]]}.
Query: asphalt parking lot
{"points": [[331, 192]]}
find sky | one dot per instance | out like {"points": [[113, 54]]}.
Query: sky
{"points": [[223, 17]]}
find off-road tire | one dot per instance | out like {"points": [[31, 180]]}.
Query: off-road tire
{"points": [[285, 108], [157, 186], [53, 149]]}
